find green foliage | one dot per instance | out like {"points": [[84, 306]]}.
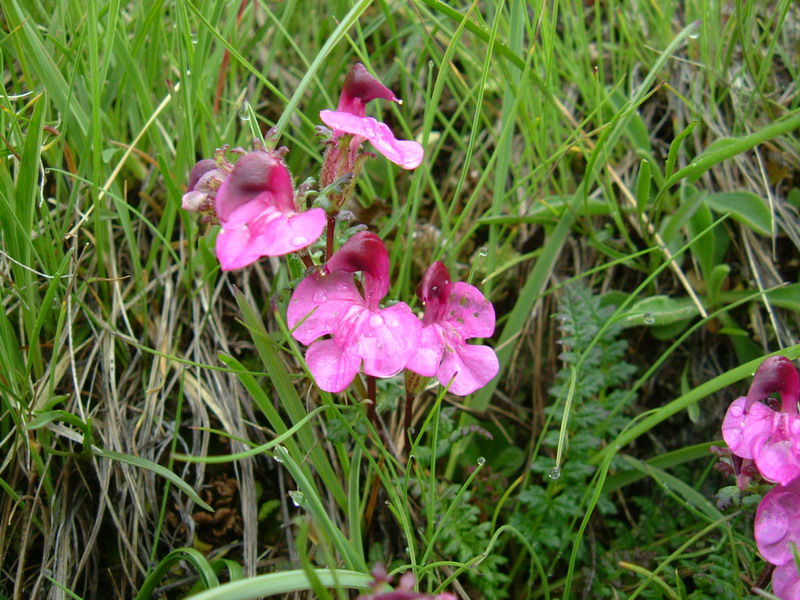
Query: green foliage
{"points": [[583, 140], [554, 500]]}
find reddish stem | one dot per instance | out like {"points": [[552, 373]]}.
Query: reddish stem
{"points": [[307, 261], [331, 231]]}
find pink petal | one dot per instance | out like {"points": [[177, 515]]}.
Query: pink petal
{"points": [[776, 374], [468, 312], [367, 253], [256, 229], [234, 250], [288, 233], [777, 523], [428, 356], [407, 154], [333, 366], [326, 300], [200, 169], [256, 174], [386, 339], [777, 454], [434, 291], [740, 430], [470, 366], [786, 581], [359, 88]]}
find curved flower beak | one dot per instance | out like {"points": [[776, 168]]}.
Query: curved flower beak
{"points": [[364, 252], [359, 88]]}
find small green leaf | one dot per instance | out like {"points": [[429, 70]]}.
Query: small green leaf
{"points": [[745, 207], [660, 310], [643, 180], [672, 157]]}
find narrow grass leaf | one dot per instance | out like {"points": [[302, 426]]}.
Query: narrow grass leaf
{"points": [[143, 463]]}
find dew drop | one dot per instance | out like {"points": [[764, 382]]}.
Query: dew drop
{"points": [[484, 251], [376, 320], [244, 111], [694, 35], [481, 461], [648, 318], [194, 38], [277, 459], [476, 314], [554, 473], [298, 240], [298, 499]]}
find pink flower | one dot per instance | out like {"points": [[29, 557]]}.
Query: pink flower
{"points": [[454, 313], [777, 523], [786, 581], [754, 430], [256, 208], [404, 590], [329, 303], [349, 118]]}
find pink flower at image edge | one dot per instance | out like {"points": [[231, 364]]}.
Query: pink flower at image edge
{"points": [[754, 430]]}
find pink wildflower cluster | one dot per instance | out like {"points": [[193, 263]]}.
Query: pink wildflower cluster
{"points": [[763, 435], [336, 309], [387, 340]]}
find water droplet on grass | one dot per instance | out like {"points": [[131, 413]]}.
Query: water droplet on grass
{"points": [[481, 461], [244, 111], [194, 38], [648, 318], [554, 473], [298, 499], [484, 251]]}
